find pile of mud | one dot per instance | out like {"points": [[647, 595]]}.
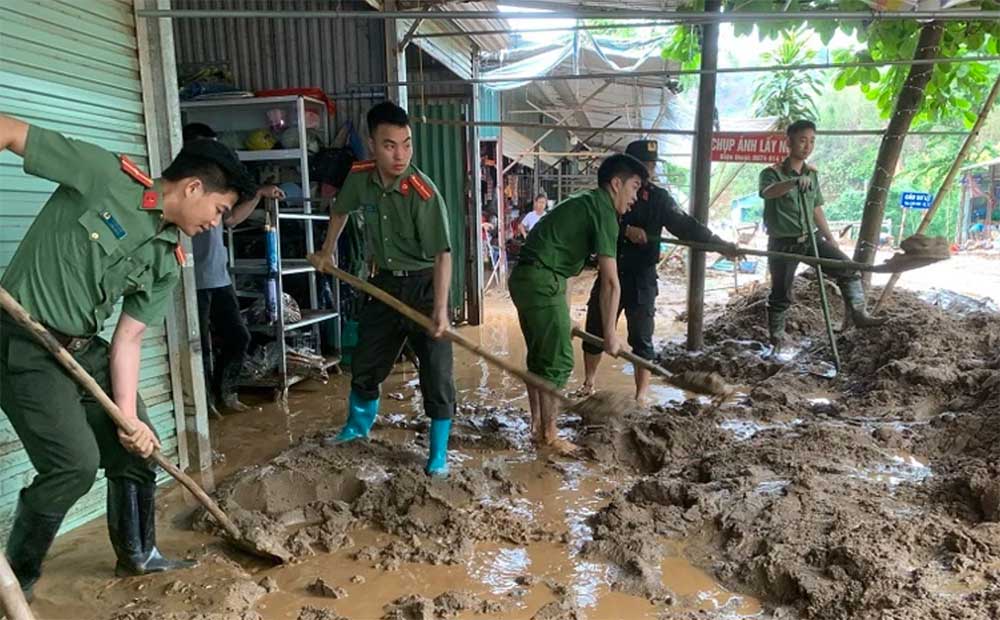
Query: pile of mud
{"points": [[310, 498], [871, 494]]}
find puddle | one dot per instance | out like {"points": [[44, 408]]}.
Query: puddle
{"points": [[898, 470], [747, 429], [771, 487], [696, 589]]}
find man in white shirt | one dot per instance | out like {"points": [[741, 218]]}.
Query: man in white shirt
{"points": [[530, 219]]}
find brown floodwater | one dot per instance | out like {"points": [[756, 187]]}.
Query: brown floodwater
{"points": [[79, 582]]}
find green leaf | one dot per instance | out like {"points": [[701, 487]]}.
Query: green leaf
{"points": [[969, 117]]}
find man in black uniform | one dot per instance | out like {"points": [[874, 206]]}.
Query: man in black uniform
{"points": [[638, 255]]}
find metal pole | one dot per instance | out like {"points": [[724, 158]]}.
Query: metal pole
{"points": [[662, 73], [701, 170], [501, 206], [619, 14], [476, 307], [822, 288]]}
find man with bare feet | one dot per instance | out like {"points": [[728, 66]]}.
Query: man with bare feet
{"points": [[556, 249]]}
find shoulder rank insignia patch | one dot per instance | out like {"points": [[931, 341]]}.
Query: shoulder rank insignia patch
{"points": [[423, 187], [363, 166], [129, 168], [150, 199]]}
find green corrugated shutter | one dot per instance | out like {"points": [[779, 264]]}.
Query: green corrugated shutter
{"points": [[440, 154], [72, 66]]}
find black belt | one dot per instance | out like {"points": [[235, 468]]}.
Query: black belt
{"points": [[402, 273], [73, 344]]}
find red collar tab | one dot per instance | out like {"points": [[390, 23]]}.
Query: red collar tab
{"points": [[404, 188], [129, 168], [150, 199], [179, 255], [421, 186]]}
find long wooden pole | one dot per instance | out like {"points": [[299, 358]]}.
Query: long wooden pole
{"points": [[42, 335], [426, 323], [11, 596], [948, 180], [802, 258]]}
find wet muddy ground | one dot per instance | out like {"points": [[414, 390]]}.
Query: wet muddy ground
{"points": [[874, 493]]}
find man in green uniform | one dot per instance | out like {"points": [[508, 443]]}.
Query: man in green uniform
{"points": [[407, 239], [556, 248], [638, 255], [108, 232], [793, 204]]}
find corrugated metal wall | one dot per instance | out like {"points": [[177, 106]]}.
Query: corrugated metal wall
{"points": [[332, 54], [439, 151], [72, 66]]}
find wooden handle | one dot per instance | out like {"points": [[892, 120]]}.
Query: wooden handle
{"points": [[625, 355], [450, 334], [11, 596], [36, 329], [802, 258]]}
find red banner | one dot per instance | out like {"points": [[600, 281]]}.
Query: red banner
{"points": [[758, 148]]}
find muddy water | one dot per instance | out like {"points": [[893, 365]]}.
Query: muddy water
{"points": [[79, 583]]}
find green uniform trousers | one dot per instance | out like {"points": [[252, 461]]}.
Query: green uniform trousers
{"points": [[540, 297], [65, 431]]}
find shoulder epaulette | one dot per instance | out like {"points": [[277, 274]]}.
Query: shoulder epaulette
{"points": [[424, 189], [363, 166], [132, 170]]}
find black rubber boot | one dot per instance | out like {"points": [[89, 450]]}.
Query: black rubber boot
{"points": [[776, 328], [854, 306], [132, 529], [30, 538]]}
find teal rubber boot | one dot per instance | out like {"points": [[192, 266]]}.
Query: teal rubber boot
{"points": [[360, 418], [437, 456]]}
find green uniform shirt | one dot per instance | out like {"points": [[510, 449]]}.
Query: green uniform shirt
{"points": [[92, 243], [404, 230], [783, 215], [583, 224]]}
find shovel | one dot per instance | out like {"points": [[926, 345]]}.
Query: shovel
{"points": [[11, 596], [606, 403], [699, 382], [36, 329]]}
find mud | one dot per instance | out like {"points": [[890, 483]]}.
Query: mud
{"points": [[869, 493], [872, 494], [307, 500]]}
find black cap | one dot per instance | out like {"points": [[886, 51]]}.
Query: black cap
{"points": [[237, 175], [643, 150]]}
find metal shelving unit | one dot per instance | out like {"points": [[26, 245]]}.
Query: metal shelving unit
{"points": [[242, 115]]}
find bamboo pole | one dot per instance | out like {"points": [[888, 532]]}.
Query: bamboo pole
{"points": [[948, 180]]}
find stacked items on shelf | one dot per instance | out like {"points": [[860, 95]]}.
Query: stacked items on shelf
{"points": [[277, 137]]}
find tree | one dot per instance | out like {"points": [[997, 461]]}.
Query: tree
{"points": [[905, 94], [788, 94]]}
